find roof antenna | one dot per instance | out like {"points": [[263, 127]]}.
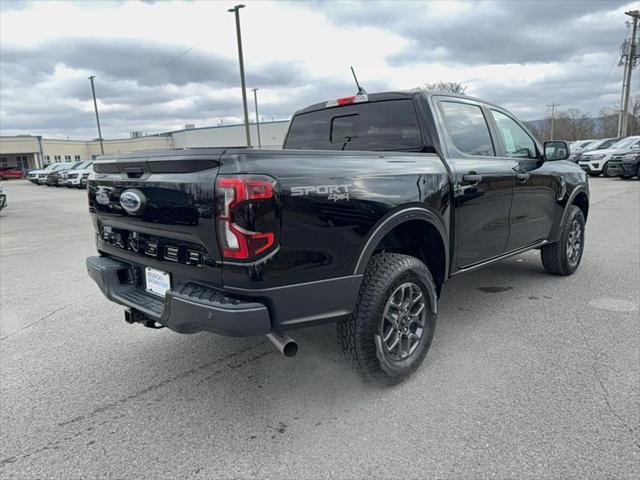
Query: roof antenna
{"points": [[361, 91]]}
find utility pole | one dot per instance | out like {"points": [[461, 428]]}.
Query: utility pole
{"points": [[553, 115], [236, 11], [630, 62], [95, 106], [255, 99]]}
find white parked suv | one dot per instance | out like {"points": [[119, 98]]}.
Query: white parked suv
{"points": [[33, 175], [594, 162], [78, 176]]}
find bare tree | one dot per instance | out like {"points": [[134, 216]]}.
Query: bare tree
{"points": [[610, 116], [449, 87], [608, 122], [574, 124], [571, 124], [541, 129], [634, 115]]}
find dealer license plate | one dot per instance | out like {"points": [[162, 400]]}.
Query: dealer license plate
{"points": [[158, 282]]}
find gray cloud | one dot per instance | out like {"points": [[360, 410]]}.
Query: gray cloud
{"points": [[145, 78], [490, 32], [139, 90], [154, 88], [143, 62]]}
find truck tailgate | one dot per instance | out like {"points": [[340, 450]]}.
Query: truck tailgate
{"points": [[156, 209]]}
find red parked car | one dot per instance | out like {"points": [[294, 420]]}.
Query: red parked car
{"points": [[10, 172]]}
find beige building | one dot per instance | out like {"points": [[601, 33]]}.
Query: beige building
{"points": [[271, 136], [30, 151]]}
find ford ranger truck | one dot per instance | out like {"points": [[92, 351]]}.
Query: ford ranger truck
{"points": [[373, 203]]}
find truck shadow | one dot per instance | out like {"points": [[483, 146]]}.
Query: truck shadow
{"points": [[245, 389]]}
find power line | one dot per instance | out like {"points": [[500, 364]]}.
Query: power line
{"points": [[174, 59], [606, 79]]}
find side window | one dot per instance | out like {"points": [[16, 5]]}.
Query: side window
{"points": [[468, 128], [517, 143]]}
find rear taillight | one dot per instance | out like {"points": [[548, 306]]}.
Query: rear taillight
{"points": [[246, 216]]}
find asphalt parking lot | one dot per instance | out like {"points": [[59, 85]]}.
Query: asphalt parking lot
{"points": [[529, 375]]}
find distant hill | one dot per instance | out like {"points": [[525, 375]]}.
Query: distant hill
{"points": [[597, 123]]}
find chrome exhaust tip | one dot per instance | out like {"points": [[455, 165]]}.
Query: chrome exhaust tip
{"points": [[284, 343]]}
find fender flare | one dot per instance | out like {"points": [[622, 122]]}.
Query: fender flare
{"points": [[392, 220], [555, 232]]}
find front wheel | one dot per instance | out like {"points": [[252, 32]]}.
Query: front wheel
{"points": [[388, 335], [563, 256]]}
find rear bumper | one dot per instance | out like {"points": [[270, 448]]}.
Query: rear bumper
{"points": [[188, 308]]}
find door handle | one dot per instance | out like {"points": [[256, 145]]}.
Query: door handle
{"points": [[472, 178], [523, 177]]}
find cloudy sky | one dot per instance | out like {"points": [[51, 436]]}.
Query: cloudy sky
{"points": [[160, 65]]}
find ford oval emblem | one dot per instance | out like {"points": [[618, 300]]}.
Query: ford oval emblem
{"points": [[132, 201]]}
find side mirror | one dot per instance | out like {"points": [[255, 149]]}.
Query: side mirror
{"points": [[556, 150]]}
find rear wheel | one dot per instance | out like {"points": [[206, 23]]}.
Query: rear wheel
{"points": [[563, 256], [388, 335]]}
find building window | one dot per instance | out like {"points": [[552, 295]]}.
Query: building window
{"points": [[23, 162], [67, 158], [77, 158], [3, 162], [93, 157], [56, 158], [47, 159]]}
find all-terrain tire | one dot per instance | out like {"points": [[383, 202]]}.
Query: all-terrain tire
{"points": [[360, 334], [557, 257]]}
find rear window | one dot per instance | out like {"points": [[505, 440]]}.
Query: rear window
{"points": [[377, 126]]}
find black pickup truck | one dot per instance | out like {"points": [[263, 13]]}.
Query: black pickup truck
{"points": [[371, 205]]}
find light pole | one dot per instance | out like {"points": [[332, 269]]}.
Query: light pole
{"points": [[95, 106], [236, 11], [255, 99]]}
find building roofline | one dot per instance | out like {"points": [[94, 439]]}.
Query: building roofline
{"points": [[226, 126], [163, 134], [35, 137]]}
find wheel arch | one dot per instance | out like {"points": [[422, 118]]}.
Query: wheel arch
{"points": [[579, 197], [581, 200], [414, 231]]}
